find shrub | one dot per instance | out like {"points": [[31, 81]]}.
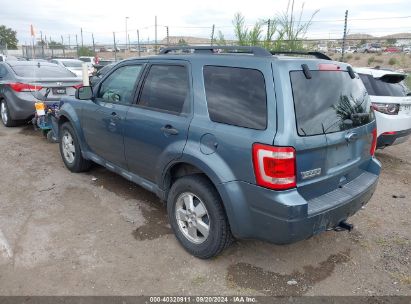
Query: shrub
{"points": [[349, 57], [84, 51], [357, 57], [392, 61], [371, 60]]}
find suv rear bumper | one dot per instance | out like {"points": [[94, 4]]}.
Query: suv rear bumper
{"points": [[283, 217]]}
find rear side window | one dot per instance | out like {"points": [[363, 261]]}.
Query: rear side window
{"points": [[329, 102], [166, 88], [42, 71], [379, 87], [236, 96]]}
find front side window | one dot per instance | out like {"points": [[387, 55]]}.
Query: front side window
{"points": [[119, 86], [236, 96], [166, 88]]}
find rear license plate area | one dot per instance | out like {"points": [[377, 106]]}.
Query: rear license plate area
{"points": [[59, 91]]}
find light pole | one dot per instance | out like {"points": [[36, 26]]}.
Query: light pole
{"points": [[126, 36]]}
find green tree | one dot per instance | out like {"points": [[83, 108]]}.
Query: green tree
{"points": [[292, 29], [84, 51], [221, 40], [8, 37], [55, 45], [182, 42], [391, 41]]}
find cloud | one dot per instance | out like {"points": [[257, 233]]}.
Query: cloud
{"points": [[190, 18]]}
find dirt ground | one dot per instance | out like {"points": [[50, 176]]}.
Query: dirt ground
{"points": [[98, 234]]}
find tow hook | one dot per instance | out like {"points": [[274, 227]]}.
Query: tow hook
{"points": [[343, 225]]}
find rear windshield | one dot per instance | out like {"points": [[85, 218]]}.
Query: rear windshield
{"points": [[73, 64], [378, 87], [44, 71], [329, 102], [85, 59]]}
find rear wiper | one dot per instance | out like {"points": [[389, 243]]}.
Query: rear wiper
{"points": [[322, 126], [303, 131]]}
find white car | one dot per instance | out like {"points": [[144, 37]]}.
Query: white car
{"points": [[391, 102], [73, 65], [90, 60]]}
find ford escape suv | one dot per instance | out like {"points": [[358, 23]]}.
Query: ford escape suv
{"points": [[239, 142]]}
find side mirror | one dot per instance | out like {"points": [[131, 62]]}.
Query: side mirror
{"points": [[84, 93]]}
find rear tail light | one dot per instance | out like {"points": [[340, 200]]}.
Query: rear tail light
{"points": [[24, 87], [389, 133], [77, 86], [386, 108], [374, 142], [274, 167]]}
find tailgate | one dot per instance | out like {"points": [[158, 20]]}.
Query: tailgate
{"points": [[335, 125]]}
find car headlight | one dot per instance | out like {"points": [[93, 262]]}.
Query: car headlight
{"points": [[386, 108]]}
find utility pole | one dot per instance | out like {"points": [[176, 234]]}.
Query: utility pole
{"points": [[62, 46], [126, 47], [168, 37], [42, 44], [155, 35], [76, 45], [115, 47], [138, 43], [268, 32], [94, 46], [345, 35], [81, 29], [212, 35], [69, 41]]}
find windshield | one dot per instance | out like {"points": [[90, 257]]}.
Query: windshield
{"points": [[42, 71], [73, 64], [329, 102]]}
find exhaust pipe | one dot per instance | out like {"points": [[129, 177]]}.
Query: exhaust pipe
{"points": [[343, 225]]}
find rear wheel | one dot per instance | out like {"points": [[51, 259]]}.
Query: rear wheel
{"points": [[197, 216], [5, 115], [70, 150]]}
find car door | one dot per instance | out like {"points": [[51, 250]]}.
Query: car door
{"points": [[103, 119], [156, 127]]}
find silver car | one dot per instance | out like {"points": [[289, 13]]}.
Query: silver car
{"points": [[22, 83]]}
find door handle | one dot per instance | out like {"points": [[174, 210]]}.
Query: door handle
{"points": [[168, 129]]}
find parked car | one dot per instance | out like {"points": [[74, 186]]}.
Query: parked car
{"points": [[90, 60], [392, 49], [22, 83], [102, 63], [338, 50], [234, 150], [73, 65], [100, 74], [370, 48], [391, 104]]}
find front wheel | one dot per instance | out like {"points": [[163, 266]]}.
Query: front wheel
{"points": [[70, 150], [197, 216]]}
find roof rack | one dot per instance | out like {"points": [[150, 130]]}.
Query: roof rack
{"points": [[318, 55], [255, 50]]}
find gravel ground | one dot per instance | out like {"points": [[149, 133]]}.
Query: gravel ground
{"points": [[98, 234]]}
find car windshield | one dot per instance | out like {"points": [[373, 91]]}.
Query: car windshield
{"points": [[72, 64], [41, 71], [329, 102]]}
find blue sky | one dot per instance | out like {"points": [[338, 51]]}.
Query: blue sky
{"points": [[194, 18]]}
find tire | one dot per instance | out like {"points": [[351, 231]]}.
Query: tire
{"points": [[5, 115], [219, 233], [70, 150]]}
